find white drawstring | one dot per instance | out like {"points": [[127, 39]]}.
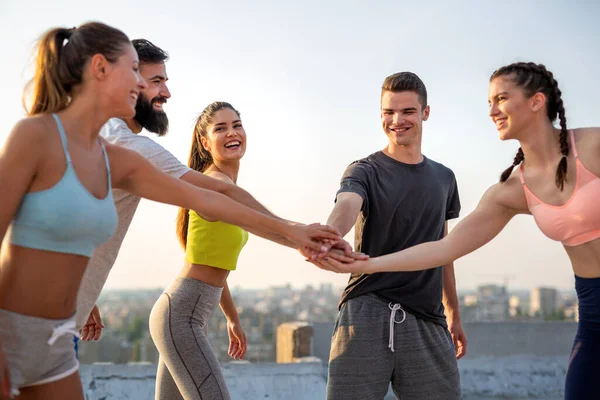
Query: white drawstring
{"points": [[393, 321], [67, 327]]}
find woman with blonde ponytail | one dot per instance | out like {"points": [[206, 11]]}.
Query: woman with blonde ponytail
{"points": [[557, 181], [56, 176], [57, 204]]}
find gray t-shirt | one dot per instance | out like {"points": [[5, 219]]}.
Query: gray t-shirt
{"points": [[403, 205], [115, 131]]}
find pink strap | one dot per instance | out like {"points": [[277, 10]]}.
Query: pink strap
{"points": [[521, 174], [572, 135]]}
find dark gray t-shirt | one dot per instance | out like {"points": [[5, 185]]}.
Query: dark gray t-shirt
{"points": [[403, 205]]}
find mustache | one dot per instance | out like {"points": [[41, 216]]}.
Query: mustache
{"points": [[159, 99]]}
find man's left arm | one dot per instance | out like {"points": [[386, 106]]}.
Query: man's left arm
{"points": [[228, 189], [166, 162], [452, 307]]}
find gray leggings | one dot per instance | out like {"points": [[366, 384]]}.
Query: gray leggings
{"points": [[188, 367]]}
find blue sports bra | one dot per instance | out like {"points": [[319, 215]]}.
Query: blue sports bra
{"points": [[65, 218]]}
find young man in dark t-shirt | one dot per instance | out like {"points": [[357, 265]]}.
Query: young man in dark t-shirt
{"points": [[391, 326]]}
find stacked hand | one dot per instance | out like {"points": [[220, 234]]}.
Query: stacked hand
{"points": [[337, 261], [335, 255], [311, 236]]}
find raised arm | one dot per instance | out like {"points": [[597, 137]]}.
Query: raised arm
{"points": [[342, 218], [132, 173], [474, 231], [349, 201], [344, 213], [118, 133]]}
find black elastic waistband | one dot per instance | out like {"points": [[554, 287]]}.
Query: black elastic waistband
{"points": [[587, 282]]}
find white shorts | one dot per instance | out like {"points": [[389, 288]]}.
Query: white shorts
{"points": [[37, 350]]}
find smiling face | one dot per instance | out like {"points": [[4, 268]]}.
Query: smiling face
{"points": [[402, 116], [511, 111], [149, 108], [225, 136], [124, 83]]}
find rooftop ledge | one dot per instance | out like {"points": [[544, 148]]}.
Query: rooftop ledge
{"points": [[521, 377]]}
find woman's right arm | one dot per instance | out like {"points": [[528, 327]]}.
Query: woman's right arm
{"points": [[475, 230], [132, 173], [19, 158]]}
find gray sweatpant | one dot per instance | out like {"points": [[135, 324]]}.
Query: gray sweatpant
{"points": [[188, 367], [362, 364]]}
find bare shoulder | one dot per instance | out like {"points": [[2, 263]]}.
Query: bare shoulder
{"points": [[590, 130], [33, 129], [30, 136], [587, 137], [219, 175], [587, 141], [508, 195]]}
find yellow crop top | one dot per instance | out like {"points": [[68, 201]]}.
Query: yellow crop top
{"points": [[216, 244]]}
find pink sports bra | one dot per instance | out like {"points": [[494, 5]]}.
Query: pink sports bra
{"points": [[578, 220]]}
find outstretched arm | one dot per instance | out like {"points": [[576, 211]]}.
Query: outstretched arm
{"points": [[342, 218], [228, 189], [220, 183], [132, 173], [474, 231], [344, 213]]}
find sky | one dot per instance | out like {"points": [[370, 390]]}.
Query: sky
{"points": [[306, 77]]}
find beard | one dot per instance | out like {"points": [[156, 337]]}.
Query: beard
{"points": [[152, 120]]}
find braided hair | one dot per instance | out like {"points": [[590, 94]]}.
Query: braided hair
{"points": [[535, 78]]}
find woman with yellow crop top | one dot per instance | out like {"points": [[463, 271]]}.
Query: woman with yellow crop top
{"points": [[188, 367]]}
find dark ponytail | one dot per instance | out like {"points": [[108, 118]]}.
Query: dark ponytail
{"points": [[60, 60], [535, 78], [200, 159]]}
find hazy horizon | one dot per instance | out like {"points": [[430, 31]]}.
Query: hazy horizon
{"points": [[306, 78]]}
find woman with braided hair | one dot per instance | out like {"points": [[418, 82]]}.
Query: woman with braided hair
{"points": [[557, 181]]}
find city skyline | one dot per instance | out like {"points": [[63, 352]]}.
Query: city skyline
{"points": [[125, 315], [306, 78], [317, 285]]}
